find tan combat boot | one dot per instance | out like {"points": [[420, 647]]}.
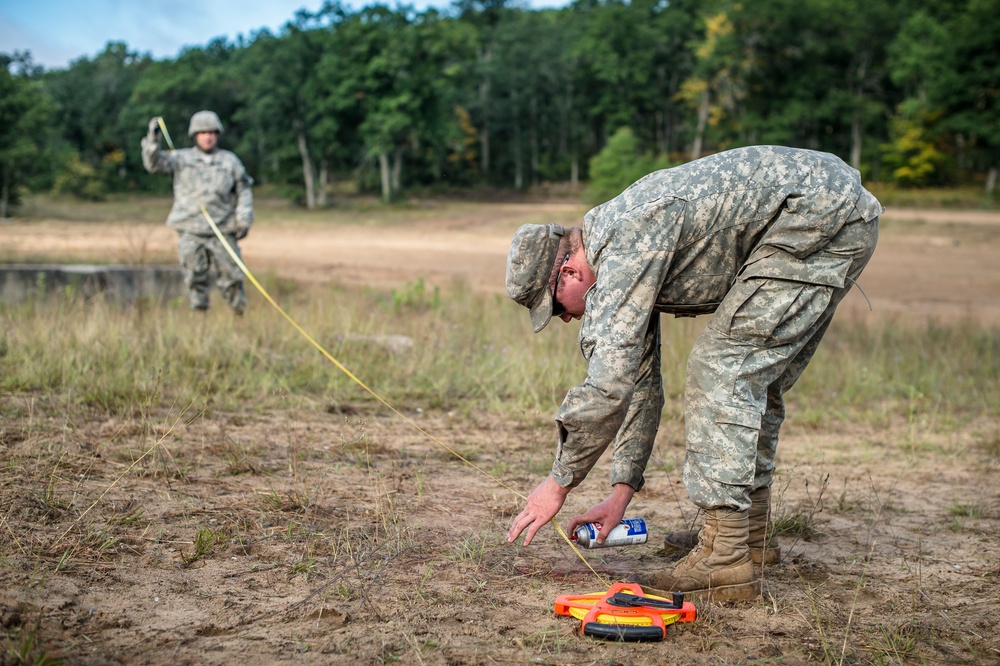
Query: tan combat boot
{"points": [[719, 567], [762, 554], [761, 551]]}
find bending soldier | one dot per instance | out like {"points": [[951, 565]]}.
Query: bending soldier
{"points": [[768, 240]]}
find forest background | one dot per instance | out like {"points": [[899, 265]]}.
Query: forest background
{"points": [[487, 95]]}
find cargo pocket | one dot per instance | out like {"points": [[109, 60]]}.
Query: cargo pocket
{"points": [[739, 294], [821, 267], [729, 454], [778, 312], [194, 258]]}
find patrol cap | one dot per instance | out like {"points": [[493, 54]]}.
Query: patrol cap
{"points": [[204, 121], [529, 265]]}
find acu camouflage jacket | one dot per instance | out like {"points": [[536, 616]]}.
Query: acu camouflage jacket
{"points": [[675, 242], [216, 180]]}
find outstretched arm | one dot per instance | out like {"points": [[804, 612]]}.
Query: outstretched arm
{"points": [[154, 159]]}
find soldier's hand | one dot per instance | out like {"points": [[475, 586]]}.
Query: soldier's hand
{"points": [[542, 505], [608, 513], [154, 128], [241, 232]]}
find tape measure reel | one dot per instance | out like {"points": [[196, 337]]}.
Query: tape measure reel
{"points": [[625, 613]]}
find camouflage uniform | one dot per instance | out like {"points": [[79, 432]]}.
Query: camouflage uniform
{"points": [[218, 181], [767, 238]]}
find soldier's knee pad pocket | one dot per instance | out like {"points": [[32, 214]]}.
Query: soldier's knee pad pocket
{"points": [[729, 453], [196, 260]]}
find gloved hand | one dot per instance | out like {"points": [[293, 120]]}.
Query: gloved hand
{"points": [[154, 129], [241, 232]]}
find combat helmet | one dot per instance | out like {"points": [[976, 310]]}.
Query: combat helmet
{"points": [[204, 121]]}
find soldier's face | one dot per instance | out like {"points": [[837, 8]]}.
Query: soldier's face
{"points": [[207, 141], [571, 291]]}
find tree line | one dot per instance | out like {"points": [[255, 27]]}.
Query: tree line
{"points": [[490, 93]]}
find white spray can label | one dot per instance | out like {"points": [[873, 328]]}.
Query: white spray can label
{"points": [[626, 533]]}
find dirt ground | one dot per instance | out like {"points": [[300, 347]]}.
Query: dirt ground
{"points": [[345, 536]]}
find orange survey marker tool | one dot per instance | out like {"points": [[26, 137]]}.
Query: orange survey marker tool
{"points": [[625, 613]]}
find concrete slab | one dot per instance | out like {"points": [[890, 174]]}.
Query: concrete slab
{"points": [[120, 284]]}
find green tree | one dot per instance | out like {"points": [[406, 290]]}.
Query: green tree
{"points": [[484, 16], [915, 58], [619, 164], [370, 78], [633, 57], [396, 72], [811, 73], [967, 89], [490, 91], [291, 126], [26, 114], [947, 59], [857, 34], [199, 78], [90, 97], [527, 123]]}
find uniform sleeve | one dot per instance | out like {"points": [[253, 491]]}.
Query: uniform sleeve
{"points": [[154, 159], [634, 441], [622, 398], [244, 196]]}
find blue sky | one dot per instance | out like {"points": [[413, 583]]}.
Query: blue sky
{"points": [[59, 31]]}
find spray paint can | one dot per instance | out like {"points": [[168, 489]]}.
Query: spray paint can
{"points": [[626, 533]]}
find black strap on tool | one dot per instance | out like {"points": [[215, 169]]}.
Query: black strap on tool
{"points": [[627, 600]]}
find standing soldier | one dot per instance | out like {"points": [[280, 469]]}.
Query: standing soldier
{"points": [[768, 240], [214, 178]]}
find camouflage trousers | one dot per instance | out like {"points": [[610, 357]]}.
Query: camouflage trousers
{"points": [[754, 349], [204, 260]]}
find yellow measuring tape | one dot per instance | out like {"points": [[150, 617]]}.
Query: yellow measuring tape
{"points": [[246, 271]]}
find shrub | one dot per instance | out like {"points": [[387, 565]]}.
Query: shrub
{"points": [[619, 164]]}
